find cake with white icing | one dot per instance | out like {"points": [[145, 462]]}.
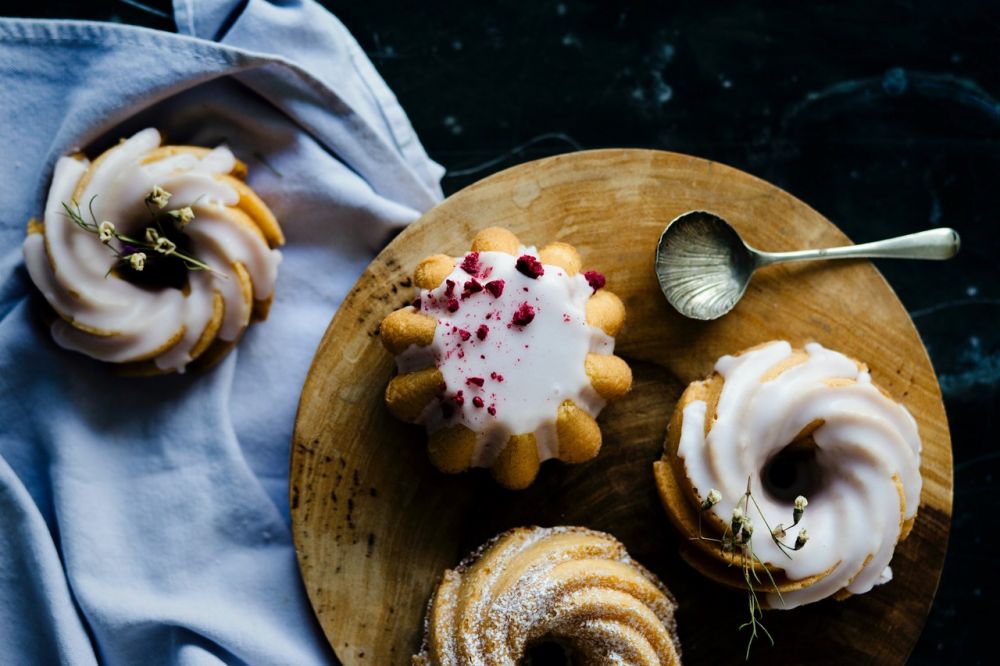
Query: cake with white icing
{"points": [[153, 257], [795, 428], [506, 356]]}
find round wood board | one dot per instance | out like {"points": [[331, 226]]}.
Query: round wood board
{"points": [[375, 525]]}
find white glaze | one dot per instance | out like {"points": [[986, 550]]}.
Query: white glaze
{"points": [[865, 440], [542, 363], [111, 319]]}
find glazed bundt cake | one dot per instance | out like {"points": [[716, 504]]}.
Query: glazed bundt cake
{"points": [[506, 356], [153, 256], [797, 428]]}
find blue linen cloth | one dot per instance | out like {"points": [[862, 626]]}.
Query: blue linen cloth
{"points": [[145, 521]]}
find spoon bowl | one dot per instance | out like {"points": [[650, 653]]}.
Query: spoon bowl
{"points": [[704, 266]]}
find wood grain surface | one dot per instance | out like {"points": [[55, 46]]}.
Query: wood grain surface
{"points": [[375, 525]]}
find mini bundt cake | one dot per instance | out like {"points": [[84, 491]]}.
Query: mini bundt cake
{"points": [[506, 357], [795, 428], [153, 256], [569, 585]]}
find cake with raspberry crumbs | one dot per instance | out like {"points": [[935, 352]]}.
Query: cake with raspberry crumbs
{"points": [[506, 357]]}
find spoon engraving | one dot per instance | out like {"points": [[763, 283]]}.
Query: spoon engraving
{"points": [[704, 266]]}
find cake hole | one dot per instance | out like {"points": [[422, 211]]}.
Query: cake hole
{"points": [[793, 471], [547, 652], [160, 271]]}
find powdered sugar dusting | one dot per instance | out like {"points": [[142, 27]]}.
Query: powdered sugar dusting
{"points": [[570, 584]]}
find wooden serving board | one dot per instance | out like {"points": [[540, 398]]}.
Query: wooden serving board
{"points": [[375, 524]]}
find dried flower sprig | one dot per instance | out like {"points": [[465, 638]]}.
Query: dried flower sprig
{"points": [[737, 538], [158, 197], [182, 215], [800, 506], [713, 498], [135, 252]]}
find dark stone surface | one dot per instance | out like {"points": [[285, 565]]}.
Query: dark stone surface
{"points": [[879, 115]]}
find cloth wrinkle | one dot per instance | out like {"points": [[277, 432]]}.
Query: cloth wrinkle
{"points": [[146, 520]]}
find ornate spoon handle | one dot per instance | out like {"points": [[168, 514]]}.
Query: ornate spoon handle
{"points": [[932, 244]]}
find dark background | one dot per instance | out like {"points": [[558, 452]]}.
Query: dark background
{"points": [[881, 115]]}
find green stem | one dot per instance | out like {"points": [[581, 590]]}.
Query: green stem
{"points": [[781, 545], [190, 262]]}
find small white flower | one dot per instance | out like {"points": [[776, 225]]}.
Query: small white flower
{"points": [[165, 245], [713, 498], [183, 215], [737, 522], [106, 231], [746, 531], [152, 235], [801, 539], [158, 197], [137, 260], [779, 532], [800, 507]]}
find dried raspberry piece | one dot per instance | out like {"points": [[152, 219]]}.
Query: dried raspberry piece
{"points": [[472, 286], [474, 381], [482, 331], [417, 303], [492, 409], [524, 315], [458, 398], [530, 266], [477, 401], [452, 305], [449, 289], [464, 334], [495, 288], [497, 376], [594, 279], [471, 263]]}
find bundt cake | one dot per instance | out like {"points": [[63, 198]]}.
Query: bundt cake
{"points": [[506, 357], [795, 428], [153, 256], [570, 585]]}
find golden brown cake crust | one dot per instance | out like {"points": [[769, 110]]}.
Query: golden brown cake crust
{"points": [[532, 584]]}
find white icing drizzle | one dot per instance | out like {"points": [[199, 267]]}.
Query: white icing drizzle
{"points": [[864, 441], [527, 371], [111, 319]]}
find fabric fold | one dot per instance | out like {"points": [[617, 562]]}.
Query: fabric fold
{"points": [[146, 520]]}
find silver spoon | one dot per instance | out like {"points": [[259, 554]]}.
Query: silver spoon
{"points": [[704, 266]]}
